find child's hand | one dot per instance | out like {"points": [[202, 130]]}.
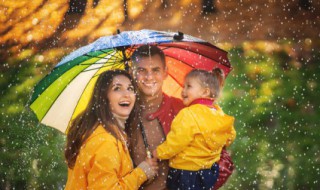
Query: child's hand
{"points": [[155, 154]]}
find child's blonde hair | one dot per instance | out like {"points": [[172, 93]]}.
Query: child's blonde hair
{"points": [[214, 80]]}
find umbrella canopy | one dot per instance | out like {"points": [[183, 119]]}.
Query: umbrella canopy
{"points": [[65, 92]]}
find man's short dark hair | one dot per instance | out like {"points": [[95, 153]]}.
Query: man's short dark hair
{"points": [[148, 51]]}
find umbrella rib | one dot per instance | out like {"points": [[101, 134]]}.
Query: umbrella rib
{"points": [[194, 67], [97, 68], [114, 64], [90, 63], [104, 51], [91, 56], [97, 63], [104, 57], [94, 56], [180, 60], [175, 79]]}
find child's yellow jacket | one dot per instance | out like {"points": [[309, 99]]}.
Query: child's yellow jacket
{"points": [[104, 163], [197, 136]]}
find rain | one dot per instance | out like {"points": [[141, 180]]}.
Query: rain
{"points": [[272, 89]]}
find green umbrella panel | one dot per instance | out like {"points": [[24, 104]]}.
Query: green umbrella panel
{"points": [[63, 94]]}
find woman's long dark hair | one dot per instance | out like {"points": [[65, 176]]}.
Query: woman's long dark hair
{"points": [[97, 111]]}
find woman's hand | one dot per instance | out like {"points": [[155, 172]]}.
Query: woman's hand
{"points": [[150, 167], [153, 163]]}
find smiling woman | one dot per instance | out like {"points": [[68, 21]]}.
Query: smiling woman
{"points": [[96, 150], [121, 98]]}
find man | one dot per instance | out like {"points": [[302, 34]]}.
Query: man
{"points": [[157, 110]]}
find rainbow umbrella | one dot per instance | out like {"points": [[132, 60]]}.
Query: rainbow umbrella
{"points": [[65, 92]]}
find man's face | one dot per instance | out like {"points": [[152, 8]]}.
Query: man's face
{"points": [[149, 72]]}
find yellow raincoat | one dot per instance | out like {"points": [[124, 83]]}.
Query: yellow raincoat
{"points": [[104, 163], [198, 134]]}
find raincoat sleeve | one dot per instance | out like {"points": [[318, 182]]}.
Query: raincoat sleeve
{"points": [[105, 169], [231, 137], [228, 123], [180, 136]]}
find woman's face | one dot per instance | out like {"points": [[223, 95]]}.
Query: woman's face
{"points": [[121, 96]]}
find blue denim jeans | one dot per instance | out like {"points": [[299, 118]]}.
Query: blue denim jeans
{"points": [[192, 180]]}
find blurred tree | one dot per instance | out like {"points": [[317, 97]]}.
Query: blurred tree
{"points": [[31, 155], [164, 4], [305, 4], [208, 7], [78, 6], [125, 9], [95, 3], [275, 109]]}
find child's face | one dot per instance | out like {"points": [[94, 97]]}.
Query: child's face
{"points": [[192, 90]]}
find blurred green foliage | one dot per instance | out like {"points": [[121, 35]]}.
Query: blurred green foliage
{"points": [[31, 155], [272, 91]]}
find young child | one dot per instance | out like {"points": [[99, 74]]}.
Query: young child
{"points": [[198, 133]]}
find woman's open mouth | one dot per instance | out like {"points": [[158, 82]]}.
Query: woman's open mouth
{"points": [[124, 104]]}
